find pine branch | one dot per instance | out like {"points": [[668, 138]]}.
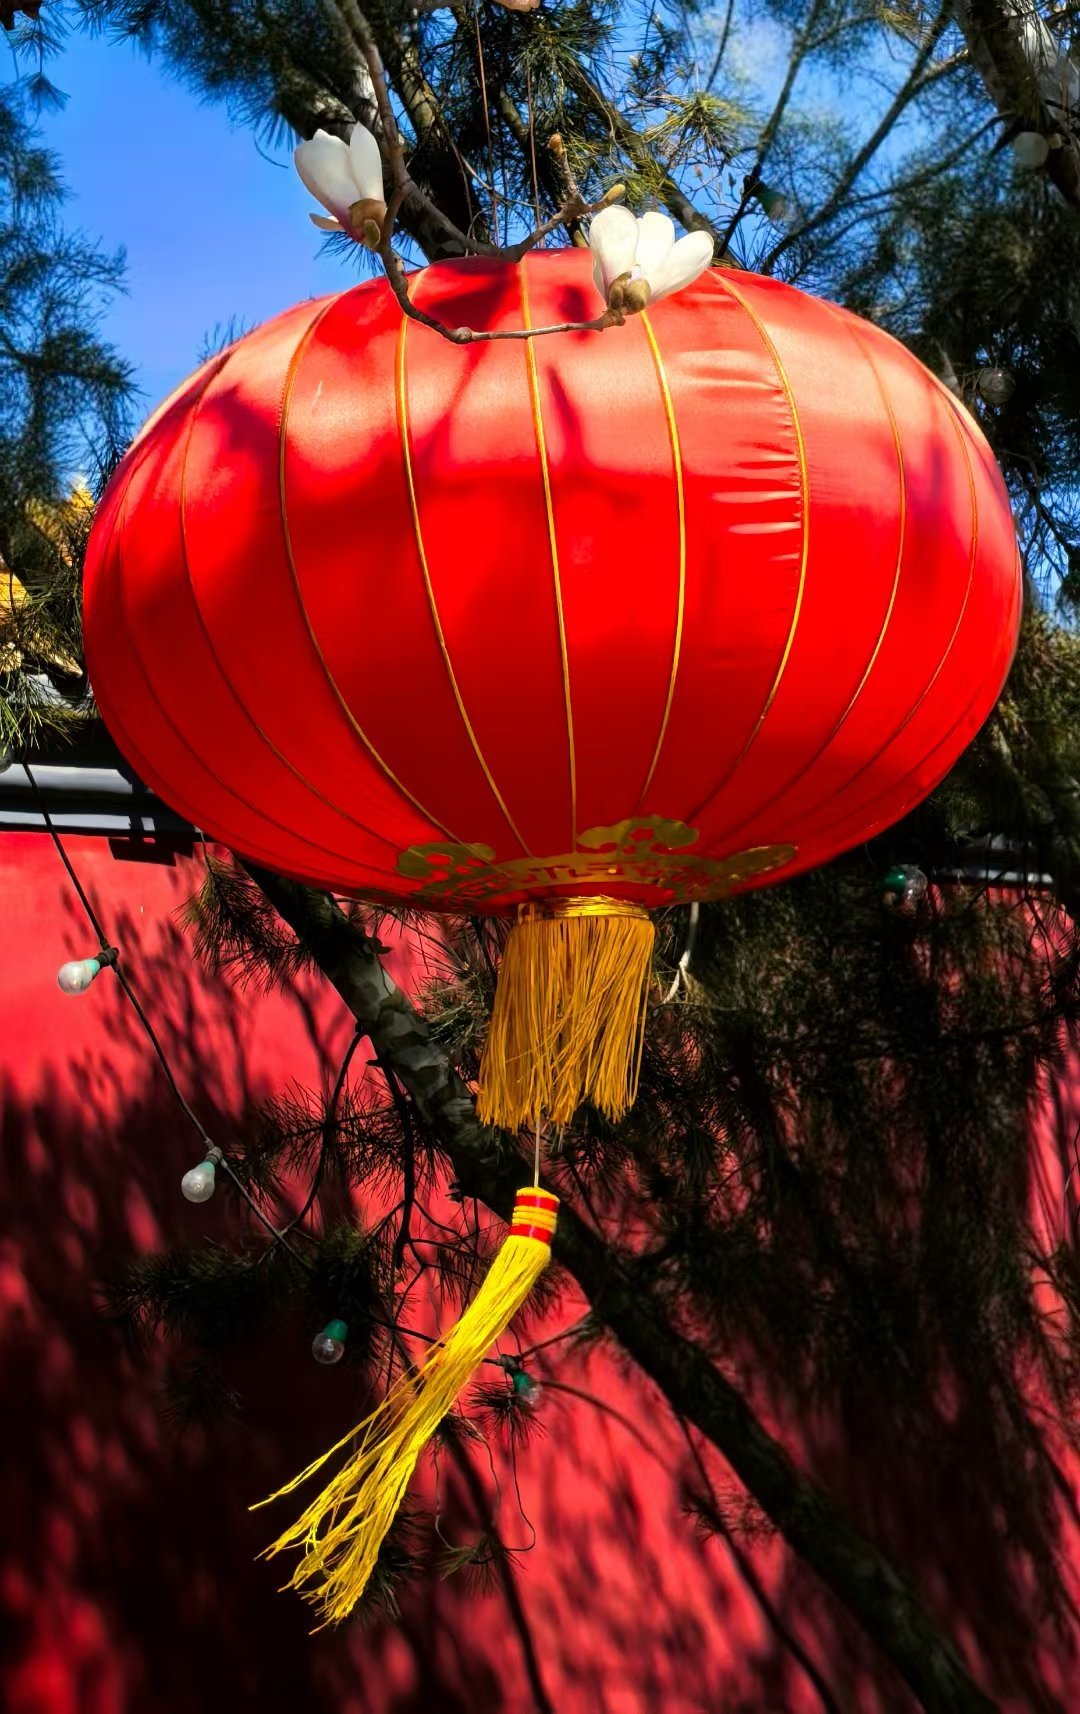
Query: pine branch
{"points": [[307, 106], [537, 161], [504, 1574], [911, 87], [636, 1313], [381, 237], [236, 933], [802, 47], [707, 1508], [639, 152]]}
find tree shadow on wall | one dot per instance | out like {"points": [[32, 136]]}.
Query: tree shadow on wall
{"points": [[128, 1576]]}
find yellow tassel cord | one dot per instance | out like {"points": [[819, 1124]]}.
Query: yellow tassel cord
{"points": [[341, 1531], [569, 1014]]}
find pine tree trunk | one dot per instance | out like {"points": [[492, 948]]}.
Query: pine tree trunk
{"points": [[1014, 54], [858, 1575]]}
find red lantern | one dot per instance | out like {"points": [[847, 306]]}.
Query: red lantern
{"points": [[574, 626], [644, 616]]}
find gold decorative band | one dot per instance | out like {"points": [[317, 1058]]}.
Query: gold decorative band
{"points": [[643, 851], [598, 906]]}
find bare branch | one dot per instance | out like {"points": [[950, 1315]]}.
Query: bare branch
{"points": [[638, 151], [800, 50], [909, 89], [435, 231], [403, 187], [399, 285]]}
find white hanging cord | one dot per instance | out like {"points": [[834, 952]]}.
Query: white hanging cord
{"points": [[683, 966]]}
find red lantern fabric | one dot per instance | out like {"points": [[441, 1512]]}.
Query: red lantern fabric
{"points": [[657, 613]]}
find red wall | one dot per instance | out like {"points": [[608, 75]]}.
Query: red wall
{"points": [[127, 1572]]}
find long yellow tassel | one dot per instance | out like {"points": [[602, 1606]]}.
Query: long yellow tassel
{"points": [[569, 1015], [342, 1530]]}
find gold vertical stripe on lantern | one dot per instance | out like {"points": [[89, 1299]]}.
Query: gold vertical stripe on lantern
{"points": [[541, 448], [402, 400], [680, 499], [283, 507], [804, 492]]}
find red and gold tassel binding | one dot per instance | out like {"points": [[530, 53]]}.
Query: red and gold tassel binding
{"points": [[340, 1533]]}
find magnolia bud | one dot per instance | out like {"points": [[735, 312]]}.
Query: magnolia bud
{"points": [[555, 144], [615, 194], [366, 218], [628, 296]]}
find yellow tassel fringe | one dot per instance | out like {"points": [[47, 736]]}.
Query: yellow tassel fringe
{"points": [[341, 1531], [569, 1016]]}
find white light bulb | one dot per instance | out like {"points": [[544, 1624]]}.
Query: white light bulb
{"points": [[996, 385], [76, 976], [198, 1184], [329, 1345], [1030, 149], [905, 886], [527, 1390], [776, 207], [915, 886], [530, 1397]]}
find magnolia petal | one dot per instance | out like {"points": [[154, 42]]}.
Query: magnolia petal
{"points": [[656, 240], [685, 261], [326, 223], [366, 165], [325, 165], [613, 241]]}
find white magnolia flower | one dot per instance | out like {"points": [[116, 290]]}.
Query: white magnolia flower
{"points": [[345, 177], [637, 262]]}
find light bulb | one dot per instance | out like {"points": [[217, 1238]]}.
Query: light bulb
{"points": [[527, 1391], [198, 1184], [1030, 149], [915, 886], [996, 385], [329, 1345], [775, 206], [76, 976], [905, 885]]}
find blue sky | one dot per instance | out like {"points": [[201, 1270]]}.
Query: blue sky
{"points": [[211, 229]]}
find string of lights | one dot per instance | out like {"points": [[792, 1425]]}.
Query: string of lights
{"points": [[199, 1182], [76, 976]]}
